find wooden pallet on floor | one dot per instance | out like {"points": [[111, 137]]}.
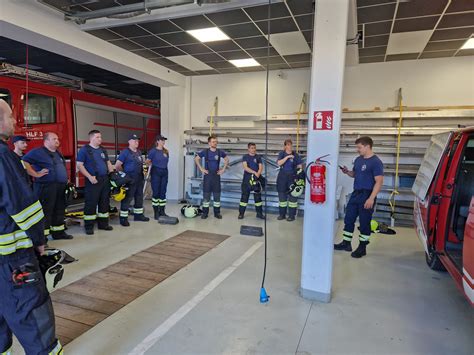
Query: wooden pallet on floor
{"points": [[83, 304]]}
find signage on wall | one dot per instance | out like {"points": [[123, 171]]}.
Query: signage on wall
{"points": [[323, 120]]}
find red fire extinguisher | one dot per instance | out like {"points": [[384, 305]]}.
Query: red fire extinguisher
{"points": [[317, 179]]}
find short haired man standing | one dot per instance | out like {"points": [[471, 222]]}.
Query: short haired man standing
{"points": [[50, 188], [368, 180], [131, 162], [20, 144], [212, 172], [253, 168], [93, 162]]}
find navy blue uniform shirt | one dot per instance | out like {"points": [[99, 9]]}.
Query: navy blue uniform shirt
{"points": [[291, 164], [365, 171], [95, 164], [159, 159], [253, 162], [132, 162], [42, 158], [211, 158]]}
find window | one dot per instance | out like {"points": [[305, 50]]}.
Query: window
{"points": [[5, 95], [41, 109]]}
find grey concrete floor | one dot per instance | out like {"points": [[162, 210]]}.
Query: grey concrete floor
{"points": [[388, 302]]}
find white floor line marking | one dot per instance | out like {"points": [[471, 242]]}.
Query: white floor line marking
{"points": [[169, 323]]}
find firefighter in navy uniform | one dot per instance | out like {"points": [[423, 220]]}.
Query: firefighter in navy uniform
{"points": [[368, 181], [25, 306], [253, 168], [158, 158], [290, 163], [131, 162], [20, 144], [212, 176], [93, 162], [50, 188]]}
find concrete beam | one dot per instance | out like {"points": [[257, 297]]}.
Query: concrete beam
{"points": [[39, 26]]}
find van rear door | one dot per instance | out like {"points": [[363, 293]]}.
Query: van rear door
{"points": [[426, 188], [468, 267]]}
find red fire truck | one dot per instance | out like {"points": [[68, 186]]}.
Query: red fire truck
{"points": [[444, 206], [72, 113]]}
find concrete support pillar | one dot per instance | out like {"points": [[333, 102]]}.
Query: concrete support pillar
{"points": [[174, 110], [327, 76]]}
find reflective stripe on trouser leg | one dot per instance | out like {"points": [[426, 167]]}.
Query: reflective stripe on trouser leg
{"points": [[364, 238], [242, 207], [124, 214], [58, 349], [292, 206], [283, 203], [155, 202], [244, 199], [347, 236], [162, 203], [46, 232], [103, 215], [217, 202], [206, 202], [57, 228], [138, 211]]}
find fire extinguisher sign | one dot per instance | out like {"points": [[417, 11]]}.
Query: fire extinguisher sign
{"points": [[323, 120]]}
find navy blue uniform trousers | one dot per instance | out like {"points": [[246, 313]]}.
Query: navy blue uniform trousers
{"points": [[159, 184], [355, 208], [26, 310]]}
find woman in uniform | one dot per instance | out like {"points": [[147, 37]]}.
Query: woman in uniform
{"points": [[158, 158]]}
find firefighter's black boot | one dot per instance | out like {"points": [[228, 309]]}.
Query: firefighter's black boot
{"points": [[282, 210], [217, 212], [344, 245], [103, 224], [140, 217], [162, 211], [260, 214], [124, 222], [156, 212], [61, 235], [361, 250], [89, 227], [241, 210]]}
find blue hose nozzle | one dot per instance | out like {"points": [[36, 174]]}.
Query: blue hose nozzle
{"points": [[264, 298]]}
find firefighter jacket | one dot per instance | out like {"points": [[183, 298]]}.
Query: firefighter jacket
{"points": [[21, 214]]}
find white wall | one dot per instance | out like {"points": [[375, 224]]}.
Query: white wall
{"points": [[244, 93], [430, 82]]}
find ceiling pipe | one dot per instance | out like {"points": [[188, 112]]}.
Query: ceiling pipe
{"points": [[132, 10]]}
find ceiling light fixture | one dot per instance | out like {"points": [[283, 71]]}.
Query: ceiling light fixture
{"points": [[211, 34], [469, 44], [243, 63]]}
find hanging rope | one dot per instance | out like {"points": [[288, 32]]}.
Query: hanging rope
{"points": [[26, 113], [213, 113], [300, 111], [397, 162], [263, 293]]}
